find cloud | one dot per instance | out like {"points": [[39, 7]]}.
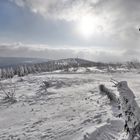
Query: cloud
{"points": [[44, 51], [63, 9], [118, 18]]}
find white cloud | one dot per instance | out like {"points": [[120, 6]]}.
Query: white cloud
{"points": [[44, 51], [117, 19], [62, 9]]}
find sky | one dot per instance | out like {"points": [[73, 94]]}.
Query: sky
{"points": [[98, 30]]}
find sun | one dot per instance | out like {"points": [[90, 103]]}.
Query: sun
{"points": [[87, 26]]}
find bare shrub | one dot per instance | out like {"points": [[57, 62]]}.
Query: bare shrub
{"points": [[8, 91], [45, 85]]}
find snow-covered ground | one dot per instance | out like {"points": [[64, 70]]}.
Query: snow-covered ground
{"points": [[72, 109]]}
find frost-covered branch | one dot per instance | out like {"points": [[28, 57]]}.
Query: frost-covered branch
{"points": [[128, 105], [105, 91]]}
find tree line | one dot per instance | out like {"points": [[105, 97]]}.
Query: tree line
{"points": [[25, 69]]}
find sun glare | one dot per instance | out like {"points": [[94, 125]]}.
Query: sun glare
{"points": [[87, 26]]}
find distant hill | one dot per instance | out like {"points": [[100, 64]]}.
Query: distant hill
{"points": [[73, 61], [14, 61], [24, 66]]}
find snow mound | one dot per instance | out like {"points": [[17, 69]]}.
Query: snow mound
{"points": [[111, 130]]}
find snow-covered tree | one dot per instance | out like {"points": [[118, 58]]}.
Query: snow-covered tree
{"points": [[4, 73], [21, 71], [29, 69], [25, 70], [10, 72], [0, 73]]}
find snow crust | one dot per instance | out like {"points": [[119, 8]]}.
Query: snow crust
{"points": [[72, 109]]}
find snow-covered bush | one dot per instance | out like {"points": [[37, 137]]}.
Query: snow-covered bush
{"points": [[7, 91], [45, 85]]}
